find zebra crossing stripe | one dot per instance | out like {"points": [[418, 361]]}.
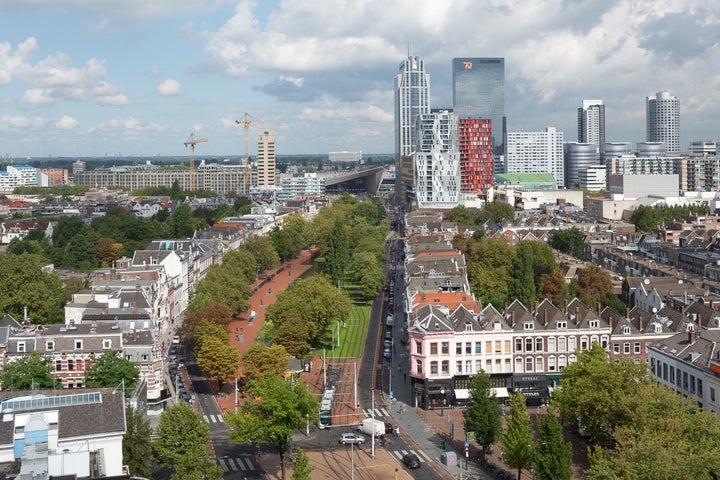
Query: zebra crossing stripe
{"points": [[245, 464], [213, 418], [224, 466], [425, 456], [379, 413]]}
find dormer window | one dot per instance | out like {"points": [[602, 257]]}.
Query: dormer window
{"points": [[21, 347], [593, 323], [468, 327], [626, 330], [50, 345], [562, 325], [437, 326], [528, 326]]}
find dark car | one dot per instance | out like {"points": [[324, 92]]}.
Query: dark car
{"points": [[388, 427], [411, 460]]}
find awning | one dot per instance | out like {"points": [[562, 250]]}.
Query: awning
{"points": [[462, 393], [500, 392]]}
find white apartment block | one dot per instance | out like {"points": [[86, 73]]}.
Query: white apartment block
{"points": [[266, 159], [536, 152], [301, 184], [437, 161]]}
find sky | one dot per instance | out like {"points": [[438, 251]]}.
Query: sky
{"points": [[86, 78]]}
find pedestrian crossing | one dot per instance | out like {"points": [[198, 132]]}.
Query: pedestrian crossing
{"points": [[213, 419], [239, 464], [399, 454], [379, 413]]}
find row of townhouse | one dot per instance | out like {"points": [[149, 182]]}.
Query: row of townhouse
{"points": [[523, 348]]}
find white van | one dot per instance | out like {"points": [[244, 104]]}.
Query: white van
{"points": [[389, 321], [372, 426]]}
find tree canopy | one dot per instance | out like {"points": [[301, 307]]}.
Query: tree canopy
{"points": [[31, 371], [259, 361], [517, 441], [111, 370], [25, 284], [483, 413]]}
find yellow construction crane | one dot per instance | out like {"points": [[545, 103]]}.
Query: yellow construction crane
{"points": [[192, 141], [245, 122]]}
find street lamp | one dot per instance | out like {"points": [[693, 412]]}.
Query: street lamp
{"points": [[442, 405]]}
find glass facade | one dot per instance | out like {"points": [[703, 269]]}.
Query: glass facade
{"points": [[479, 92]]}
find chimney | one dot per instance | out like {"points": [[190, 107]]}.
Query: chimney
{"points": [[699, 320], [690, 333], [545, 315], [513, 318], [610, 321], [599, 307], [640, 323], [627, 313], [577, 314]]}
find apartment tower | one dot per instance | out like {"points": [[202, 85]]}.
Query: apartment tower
{"points": [[266, 159], [591, 123], [663, 120]]}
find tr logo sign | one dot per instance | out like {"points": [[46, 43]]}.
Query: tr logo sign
{"points": [[467, 65]]}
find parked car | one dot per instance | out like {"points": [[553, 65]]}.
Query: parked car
{"points": [[411, 460], [388, 335], [351, 438]]}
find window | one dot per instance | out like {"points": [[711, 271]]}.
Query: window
{"points": [[539, 364], [626, 330], [468, 348], [21, 347], [79, 364], [144, 357], [107, 343], [561, 344], [446, 367], [572, 344], [583, 343], [528, 326], [433, 368], [616, 348], [468, 327], [478, 347], [71, 365], [418, 366], [433, 348], [478, 365], [418, 348], [604, 341], [78, 344], [551, 364], [458, 348], [712, 395], [488, 346], [468, 366], [529, 364], [562, 325], [458, 366], [672, 374], [445, 348], [518, 345], [593, 323], [626, 348], [58, 366], [50, 345], [539, 344], [551, 344], [528, 344], [637, 347]]}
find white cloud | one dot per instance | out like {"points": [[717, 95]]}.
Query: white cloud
{"points": [[168, 87], [66, 123], [38, 96], [11, 122]]}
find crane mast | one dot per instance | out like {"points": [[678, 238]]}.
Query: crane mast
{"points": [[191, 142], [245, 122]]}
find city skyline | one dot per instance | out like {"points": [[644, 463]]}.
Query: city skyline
{"points": [[86, 78]]}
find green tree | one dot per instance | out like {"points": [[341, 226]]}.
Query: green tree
{"points": [[593, 283], [517, 441], [295, 228], [337, 255], [65, 230], [483, 413], [214, 312], [24, 284], [293, 335], [182, 445], [462, 215], [206, 329], [315, 301], [111, 370], [107, 251], [276, 407], [368, 272], [569, 240], [263, 251], [301, 467], [522, 279], [259, 361], [79, 253], [225, 285], [136, 445], [553, 455], [496, 211], [31, 371], [181, 222], [218, 359], [591, 388]]}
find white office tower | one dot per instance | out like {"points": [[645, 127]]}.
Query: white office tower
{"points": [[266, 159], [437, 161], [412, 98], [536, 152], [591, 123], [578, 156], [663, 120]]}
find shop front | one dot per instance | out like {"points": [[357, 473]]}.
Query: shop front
{"points": [[533, 388]]}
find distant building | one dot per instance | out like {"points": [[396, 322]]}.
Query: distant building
{"points": [[591, 123], [266, 159], [437, 161], [301, 184], [663, 120], [702, 147], [412, 98], [578, 157], [593, 178], [476, 157], [349, 157], [56, 176], [479, 92], [636, 186], [78, 166], [536, 152]]}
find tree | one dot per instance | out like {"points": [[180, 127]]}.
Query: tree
{"points": [[107, 251], [181, 222], [553, 287], [136, 445], [29, 372], [496, 211], [295, 229], [569, 240], [224, 285], [214, 312], [260, 361], [275, 408], [293, 335], [207, 329], [593, 284], [111, 370], [315, 301], [24, 284], [462, 215], [263, 251], [591, 389], [301, 468], [337, 254], [482, 415], [517, 442], [522, 280], [368, 272], [218, 359], [182, 445], [553, 455]]}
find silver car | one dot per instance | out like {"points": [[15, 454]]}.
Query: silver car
{"points": [[351, 438]]}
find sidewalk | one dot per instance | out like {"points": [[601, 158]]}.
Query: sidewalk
{"points": [[243, 331]]}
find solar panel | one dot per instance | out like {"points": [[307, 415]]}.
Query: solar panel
{"points": [[43, 401]]}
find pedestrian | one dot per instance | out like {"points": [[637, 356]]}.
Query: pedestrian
{"points": [[397, 431]]}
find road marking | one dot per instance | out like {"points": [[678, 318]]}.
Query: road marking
{"points": [[399, 454], [245, 464], [379, 413], [213, 418]]}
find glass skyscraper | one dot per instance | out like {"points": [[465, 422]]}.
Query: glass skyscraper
{"points": [[479, 92]]}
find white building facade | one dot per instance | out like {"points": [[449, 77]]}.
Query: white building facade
{"points": [[536, 152], [663, 120], [437, 161]]}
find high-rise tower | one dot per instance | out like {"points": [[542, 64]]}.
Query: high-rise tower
{"points": [[266, 159], [479, 92], [663, 120], [591, 123], [412, 98]]}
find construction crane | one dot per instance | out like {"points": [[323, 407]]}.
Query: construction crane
{"points": [[192, 141], [245, 122]]}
